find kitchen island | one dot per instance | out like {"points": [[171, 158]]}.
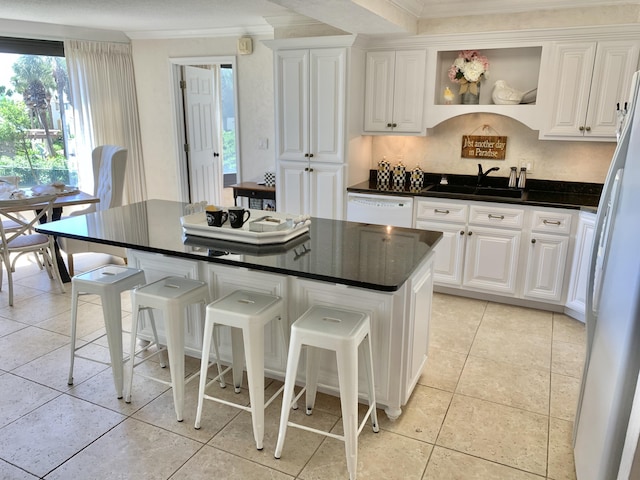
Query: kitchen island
{"points": [[385, 271]]}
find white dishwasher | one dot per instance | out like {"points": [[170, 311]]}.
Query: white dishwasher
{"points": [[380, 209]]}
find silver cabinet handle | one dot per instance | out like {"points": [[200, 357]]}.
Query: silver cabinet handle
{"points": [[552, 222], [437, 210], [499, 217]]}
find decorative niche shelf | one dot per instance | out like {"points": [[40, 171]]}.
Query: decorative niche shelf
{"points": [[519, 67]]}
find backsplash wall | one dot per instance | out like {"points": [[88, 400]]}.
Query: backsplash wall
{"points": [[439, 151]]}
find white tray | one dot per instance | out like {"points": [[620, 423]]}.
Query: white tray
{"points": [[196, 225]]}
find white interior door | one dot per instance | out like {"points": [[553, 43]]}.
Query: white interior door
{"points": [[202, 118]]}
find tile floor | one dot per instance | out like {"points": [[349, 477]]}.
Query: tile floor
{"points": [[496, 401]]}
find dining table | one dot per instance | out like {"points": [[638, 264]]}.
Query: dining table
{"points": [[67, 199]]}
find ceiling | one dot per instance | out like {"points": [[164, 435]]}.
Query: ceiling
{"points": [[171, 17]]}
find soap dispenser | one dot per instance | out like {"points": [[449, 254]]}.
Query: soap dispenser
{"points": [[513, 177], [522, 179]]}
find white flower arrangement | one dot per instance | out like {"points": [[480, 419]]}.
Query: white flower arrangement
{"points": [[468, 69]]}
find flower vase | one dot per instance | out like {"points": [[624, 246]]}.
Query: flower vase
{"points": [[468, 98]]}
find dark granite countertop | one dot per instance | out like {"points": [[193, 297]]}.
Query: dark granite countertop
{"points": [[545, 193], [368, 256]]}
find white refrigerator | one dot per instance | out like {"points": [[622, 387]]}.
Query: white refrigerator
{"points": [[607, 425]]}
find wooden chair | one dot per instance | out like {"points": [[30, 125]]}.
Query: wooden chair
{"points": [[109, 166], [22, 239]]}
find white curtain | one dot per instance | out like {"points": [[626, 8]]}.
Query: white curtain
{"points": [[105, 105]]}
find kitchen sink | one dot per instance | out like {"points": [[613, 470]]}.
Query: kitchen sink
{"points": [[473, 190]]}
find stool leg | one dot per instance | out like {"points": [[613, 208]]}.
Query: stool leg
{"points": [[174, 327], [74, 320], [238, 355], [204, 365], [135, 318], [112, 312], [347, 358], [254, 352], [368, 363], [152, 321], [216, 350], [287, 397], [311, 378]]}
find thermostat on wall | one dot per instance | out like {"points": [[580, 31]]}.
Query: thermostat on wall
{"points": [[245, 46]]}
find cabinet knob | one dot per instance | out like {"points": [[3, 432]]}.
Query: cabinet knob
{"points": [[306, 154], [581, 128], [306, 169], [389, 125], [470, 233], [461, 232], [533, 240], [588, 129], [394, 125], [311, 155], [311, 169], [216, 154]]}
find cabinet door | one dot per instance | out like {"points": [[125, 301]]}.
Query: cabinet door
{"points": [[408, 91], [326, 191], [327, 104], [449, 253], [491, 260], [614, 66], [545, 266], [292, 104], [378, 106], [576, 295], [571, 68], [293, 187]]}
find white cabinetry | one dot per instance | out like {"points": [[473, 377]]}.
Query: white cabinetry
{"points": [[515, 251], [548, 243], [450, 219], [587, 81], [394, 91], [493, 244], [310, 115], [311, 188], [576, 295]]}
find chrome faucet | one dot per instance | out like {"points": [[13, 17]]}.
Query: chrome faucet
{"points": [[482, 175]]}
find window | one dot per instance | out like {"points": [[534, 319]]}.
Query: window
{"points": [[36, 120]]}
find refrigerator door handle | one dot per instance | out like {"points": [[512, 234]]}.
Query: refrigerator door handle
{"points": [[604, 240]]}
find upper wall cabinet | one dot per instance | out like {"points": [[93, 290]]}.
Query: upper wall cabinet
{"points": [[394, 92], [588, 81], [519, 67]]}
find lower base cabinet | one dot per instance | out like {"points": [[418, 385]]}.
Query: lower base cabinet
{"points": [[399, 320]]}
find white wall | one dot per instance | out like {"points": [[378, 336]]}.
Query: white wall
{"points": [[153, 81]]}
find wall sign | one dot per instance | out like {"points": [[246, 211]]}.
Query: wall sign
{"points": [[484, 147]]}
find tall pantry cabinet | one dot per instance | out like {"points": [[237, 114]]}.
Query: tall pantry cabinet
{"points": [[318, 148]]}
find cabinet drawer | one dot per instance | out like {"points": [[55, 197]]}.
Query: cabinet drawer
{"points": [[442, 211], [551, 222], [496, 216]]}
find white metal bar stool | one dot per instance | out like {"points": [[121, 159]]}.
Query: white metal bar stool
{"points": [[341, 331], [247, 313], [108, 282], [171, 295]]}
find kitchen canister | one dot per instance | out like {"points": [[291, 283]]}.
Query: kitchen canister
{"points": [[416, 179], [384, 172], [270, 179], [399, 175]]}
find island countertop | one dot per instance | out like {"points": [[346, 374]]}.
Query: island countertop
{"points": [[362, 255]]}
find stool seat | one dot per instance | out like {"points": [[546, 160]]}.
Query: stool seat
{"points": [[342, 331], [247, 312], [108, 281], [171, 295]]}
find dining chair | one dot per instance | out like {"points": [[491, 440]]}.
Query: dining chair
{"points": [[22, 239], [109, 166]]}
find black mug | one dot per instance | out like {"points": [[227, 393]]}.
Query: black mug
{"points": [[237, 216], [216, 218]]}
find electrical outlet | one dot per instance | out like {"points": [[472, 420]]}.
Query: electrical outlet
{"points": [[528, 164], [263, 144]]}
